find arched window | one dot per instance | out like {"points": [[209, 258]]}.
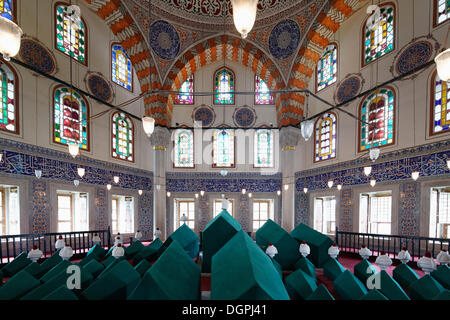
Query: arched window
{"points": [[8, 99], [121, 68], [186, 92], [71, 36], [378, 34], [378, 110], [440, 113], [327, 67], [7, 9], [122, 137], [262, 95], [263, 148], [183, 149], [326, 137], [223, 149], [224, 86], [441, 11], [70, 118]]}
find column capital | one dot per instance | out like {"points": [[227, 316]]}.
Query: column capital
{"points": [[160, 138], [289, 138]]}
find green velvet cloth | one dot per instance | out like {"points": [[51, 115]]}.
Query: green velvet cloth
{"points": [[50, 262], [287, 246], [126, 273], [150, 252], [318, 243], [94, 267], [62, 266], [442, 275], [444, 295], [142, 267], [62, 293], [307, 267], [426, 288], [215, 235], [374, 295], [364, 270], [333, 269], [174, 276], [278, 267], [390, 288], [242, 271], [17, 286], [349, 287], [404, 275], [109, 252], [300, 285], [133, 249], [108, 261], [111, 264], [110, 287], [321, 293], [34, 269], [97, 251], [87, 259], [186, 238], [16, 265]]}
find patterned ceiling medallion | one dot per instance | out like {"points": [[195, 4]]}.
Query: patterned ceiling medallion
{"points": [[33, 53], [98, 86], [204, 114], [244, 116], [164, 40], [284, 39], [349, 87]]}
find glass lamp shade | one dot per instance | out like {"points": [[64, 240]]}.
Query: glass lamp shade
{"points": [[76, 183], [74, 149], [81, 172], [108, 186], [223, 173], [339, 186], [149, 125], [202, 193], [196, 195], [448, 164], [140, 192], [367, 170], [38, 173], [168, 194], [305, 190], [116, 179], [415, 175], [1, 157], [443, 65], [373, 182], [374, 154], [279, 192], [307, 128], [250, 195], [244, 15], [286, 187], [244, 191], [330, 184], [10, 34]]}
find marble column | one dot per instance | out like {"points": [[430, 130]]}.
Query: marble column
{"points": [[160, 140], [289, 138]]}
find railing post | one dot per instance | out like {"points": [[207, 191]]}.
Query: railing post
{"points": [[109, 237], [337, 237]]}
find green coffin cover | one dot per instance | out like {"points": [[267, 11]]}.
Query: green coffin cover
{"points": [[34, 269], [426, 288], [404, 275], [333, 269], [125, 272], [142, 267], [364, 270], [444, 295], [300, 285], [133, 249], [1, 276], [86, 260], [109, 252], [109, 287], [174, 276], [17, 286], [278, 267], [442, 275], [287, 247], [318, 243], [242, 271], [108, 261], [94, 267], [390, 288], [97, 251], [19, 262], [62, 293], [374, 295], [349, 287], [150, 252], [186, 238], [62, 266], [307, 267], [321, 293], [50, 262], [110, 265], [215, 235]]}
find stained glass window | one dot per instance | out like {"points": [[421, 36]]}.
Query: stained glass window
{"points": [[8, 103], [327, 67], [262, 95], [325, 138], [184, 148], [121, 68], [441, 113], [186, 92], [6, 9], [223, 148], [224, 87], [122, 137], [442, 11], [379, 35], [70, 35], [378, 111], [263, 148], [70, 114]]}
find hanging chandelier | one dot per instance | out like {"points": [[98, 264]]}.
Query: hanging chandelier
{"points": [[244, 15], [10, 33], [443, 65]]}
